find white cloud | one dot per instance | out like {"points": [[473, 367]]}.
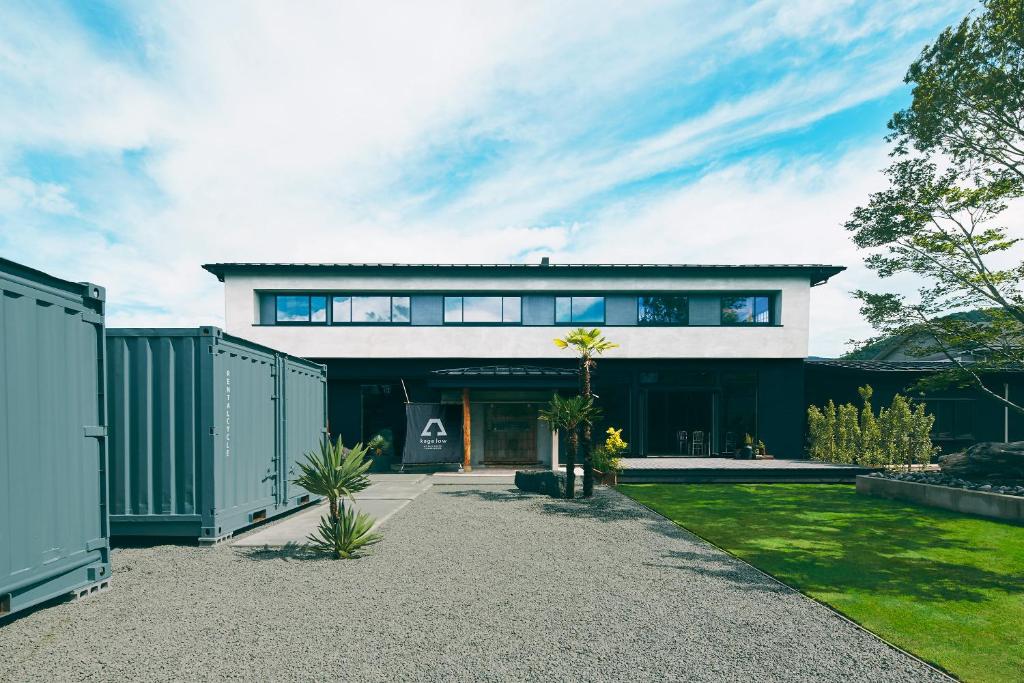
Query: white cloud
{"points": [[277, 133]]}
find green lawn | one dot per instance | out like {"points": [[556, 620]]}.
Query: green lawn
{"points": [[945, 586]]}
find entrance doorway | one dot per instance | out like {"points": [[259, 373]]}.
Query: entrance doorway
{"points": [[510, 436], [680, 422]]}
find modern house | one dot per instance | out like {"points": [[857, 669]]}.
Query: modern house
{"points": [[707, 353]]}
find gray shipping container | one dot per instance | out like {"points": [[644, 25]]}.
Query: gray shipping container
{"points": [[53, 492], [206, 430]]}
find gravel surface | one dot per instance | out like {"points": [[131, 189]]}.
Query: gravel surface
{"points": [[469, 584]]}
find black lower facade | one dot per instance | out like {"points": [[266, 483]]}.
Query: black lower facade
{"points": [[963, 416], [664, 407]]}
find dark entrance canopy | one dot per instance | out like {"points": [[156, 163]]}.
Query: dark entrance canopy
{"points": [[506, 377]]}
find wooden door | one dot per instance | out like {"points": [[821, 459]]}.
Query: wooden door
{"points": [[511, 434]]}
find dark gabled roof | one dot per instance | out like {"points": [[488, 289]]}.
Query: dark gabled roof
{"points": [[818, 273], [508, 371], [890, 365]]}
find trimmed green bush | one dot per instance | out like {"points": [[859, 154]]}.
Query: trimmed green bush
{"points": [[899, 435]]}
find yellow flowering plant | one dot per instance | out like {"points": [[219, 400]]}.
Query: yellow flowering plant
{"points": [[607, 455]]}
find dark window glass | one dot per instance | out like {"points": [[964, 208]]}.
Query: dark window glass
{"points": [[746, 310], [664, 310], [341, 309], [579, 309], [453, 309], [291, 309], [399, 309], [371, 309]]}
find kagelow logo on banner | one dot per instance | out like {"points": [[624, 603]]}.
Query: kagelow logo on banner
{"points": [[427, 439]]}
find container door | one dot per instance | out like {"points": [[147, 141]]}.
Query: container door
{"points": [[245, 429], [52, 454], [304, 408]]}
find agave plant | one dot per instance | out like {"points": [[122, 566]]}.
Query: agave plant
{"points": [[343, 537], [336, 474]]}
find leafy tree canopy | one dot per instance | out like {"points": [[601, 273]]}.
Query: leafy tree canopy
{"points": [[958, 164]]}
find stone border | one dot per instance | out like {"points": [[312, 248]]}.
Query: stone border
{"points": [[992, 505]]}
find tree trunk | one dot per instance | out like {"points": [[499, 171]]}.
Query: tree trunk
{"points": [[570, 465], [588, 438], [333, 511]]}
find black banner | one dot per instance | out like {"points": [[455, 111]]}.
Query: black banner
{"points": [[433, 433]]}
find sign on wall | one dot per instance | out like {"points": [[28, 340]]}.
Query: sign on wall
{"points": [[433, 433]]}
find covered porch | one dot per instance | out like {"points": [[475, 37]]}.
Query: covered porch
{"points": [[500, 406]]}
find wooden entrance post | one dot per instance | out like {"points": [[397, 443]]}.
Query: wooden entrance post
{"points": [[467, 441]]}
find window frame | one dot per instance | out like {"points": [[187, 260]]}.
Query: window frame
{"points": [[572, 320], [482, 295], [681, 295], [309, 296], [771, 322], [370, 323]]}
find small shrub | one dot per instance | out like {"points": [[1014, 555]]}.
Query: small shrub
{"points": [[344, 536], [607, 456]]}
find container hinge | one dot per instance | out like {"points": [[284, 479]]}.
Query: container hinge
{"points": [[95, 431], [96, 544], [92, 317], [213, 431]]}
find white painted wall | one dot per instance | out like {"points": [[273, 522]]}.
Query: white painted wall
{"points": [[789, 340]]}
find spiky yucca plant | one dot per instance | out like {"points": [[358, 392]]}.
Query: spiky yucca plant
{"points": [[336, 475], [344, 536]]}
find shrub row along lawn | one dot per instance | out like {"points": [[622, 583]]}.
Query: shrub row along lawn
{"points": [[945, 586]]}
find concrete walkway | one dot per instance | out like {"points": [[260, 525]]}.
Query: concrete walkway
{"points": [[388, 494]]}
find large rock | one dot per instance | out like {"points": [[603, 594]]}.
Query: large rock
{"points": [[987, 462], [546, 482]]}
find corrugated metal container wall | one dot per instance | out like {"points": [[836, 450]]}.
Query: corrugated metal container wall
{"points": [[196, 433], [53, 516], [305, 415]]}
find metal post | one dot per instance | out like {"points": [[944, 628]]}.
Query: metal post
{"points": [[467, 442]]}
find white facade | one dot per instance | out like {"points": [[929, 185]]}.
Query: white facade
{"points": [[787, 338]]}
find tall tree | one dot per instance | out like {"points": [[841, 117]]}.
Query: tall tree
{"points": [[958, 165], [587, 344]]}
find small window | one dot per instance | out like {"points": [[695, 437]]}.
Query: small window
{"points": [[371, 309], [453, 309], [579, 309], [341, 309], [400, 309], [663, 310], [300, 308], [746, 310], [318, 309], [511, 309], [482, 310]]}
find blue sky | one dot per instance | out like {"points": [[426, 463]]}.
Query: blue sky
{"points": [[140, 140]]}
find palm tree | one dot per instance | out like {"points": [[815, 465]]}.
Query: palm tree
{"points": [[568, 415], [587, 344]]}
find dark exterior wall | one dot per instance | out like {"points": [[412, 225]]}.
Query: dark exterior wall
{"points": [[538, 310], [427, 310], [705, 309], [620, 310], [781, 407], [620, 385], [988, 417]]}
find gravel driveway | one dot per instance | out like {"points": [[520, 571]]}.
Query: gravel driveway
{"points": [[480, 584]]}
